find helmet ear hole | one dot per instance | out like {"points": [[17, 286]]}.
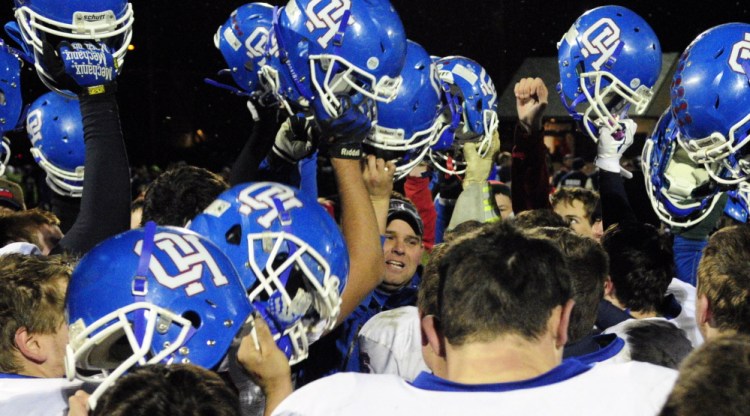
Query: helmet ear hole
{"points": [[234, 235], [194, 318]]}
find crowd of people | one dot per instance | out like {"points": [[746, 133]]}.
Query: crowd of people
{"points": [[443, 277]]}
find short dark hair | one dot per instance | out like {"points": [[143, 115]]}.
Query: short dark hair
{"points": [[588, 264], [539, 218], [724, 278], [179, 194], [640, 265], [713, 380], [430, 284], [490, 286], [658, 342], [30, 298], [159, 390], [461, 229]]}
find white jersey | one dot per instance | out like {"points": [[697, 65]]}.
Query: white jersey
{"points": [[30, 396], [574, 389], [391, 343]]}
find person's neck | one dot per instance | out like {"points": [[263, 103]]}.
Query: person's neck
{"points": [[505, 359]]}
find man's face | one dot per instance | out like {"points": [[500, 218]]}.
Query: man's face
{"points": [[402, 250], [575, 215], [504, 205]]}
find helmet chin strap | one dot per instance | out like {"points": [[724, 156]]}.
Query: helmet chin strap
{"points": [[139, 288]]}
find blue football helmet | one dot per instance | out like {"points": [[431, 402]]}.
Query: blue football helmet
{"points": [[681, 191], [151, 295], [290, 255], [55, 129], [609, 61], [11, 103], [106, 21], [711, 101], [242, 42], [408, 125], [340, 47], [469, 89]]}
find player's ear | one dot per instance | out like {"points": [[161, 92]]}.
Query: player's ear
{"points": [[432, 336], [703, 314], [563, 321], [28, 345]]}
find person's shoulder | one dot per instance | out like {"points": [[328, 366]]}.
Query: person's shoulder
{"points": [[335, 393]]}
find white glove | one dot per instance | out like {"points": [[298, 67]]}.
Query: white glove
{"points": [[293, 141], [612, 144]]}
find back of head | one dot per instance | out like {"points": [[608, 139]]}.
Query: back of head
{"points": [[640, 265], [724, 278], [658, 342], [713, 380], [22, 225], [538, 218], [176, 390], [32, 294], [588, 264], [497, 282], [461, 230], [178, 195]]}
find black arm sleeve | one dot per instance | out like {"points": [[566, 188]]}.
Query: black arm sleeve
{"points": [[615, 205], [105, 205], [530, 187], [245, 168]]}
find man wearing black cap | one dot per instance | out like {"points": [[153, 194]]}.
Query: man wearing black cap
{"points": [[402, 250], [11, 195], [402, 247]]}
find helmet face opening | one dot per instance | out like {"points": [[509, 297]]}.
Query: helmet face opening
{"points": [[47, 22]]}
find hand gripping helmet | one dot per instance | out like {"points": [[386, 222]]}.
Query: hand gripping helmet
{"points": [[609, 60], [290, 255], [50, 21], [55, 129], [711, 101], [470, 88], [242, 42], [408, 125], [681, 191], [340, 47], [151, 295]]}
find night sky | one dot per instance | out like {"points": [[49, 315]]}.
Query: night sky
{"points": [[163, 97]]}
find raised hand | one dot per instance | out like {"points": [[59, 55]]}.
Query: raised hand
{"points": [[531, 100]]}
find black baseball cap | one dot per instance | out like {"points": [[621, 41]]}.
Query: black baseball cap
{"points": [[400, 209]]}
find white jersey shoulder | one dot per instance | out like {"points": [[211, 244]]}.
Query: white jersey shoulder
{"points": [[390, 343], [36, 396], [685, 294], [630, 389]]}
